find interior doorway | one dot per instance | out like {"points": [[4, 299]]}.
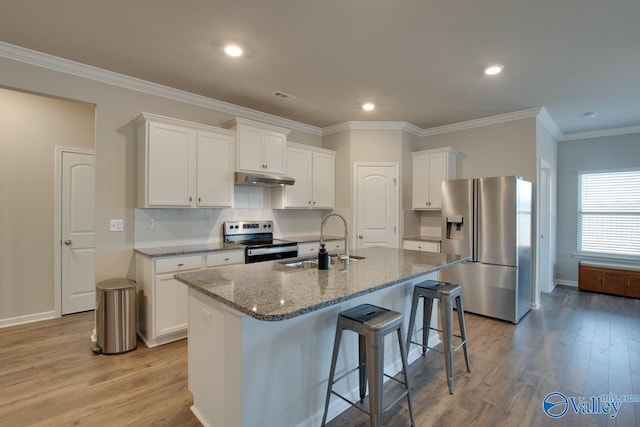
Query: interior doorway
{"points": [[545, 270], [75, 229], [377, 204]]}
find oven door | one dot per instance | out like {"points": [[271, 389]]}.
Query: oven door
{"points": [[270, 253]]}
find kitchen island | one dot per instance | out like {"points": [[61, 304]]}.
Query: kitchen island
{"points": [[261, 335]]}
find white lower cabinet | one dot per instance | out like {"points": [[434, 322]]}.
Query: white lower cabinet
{"points": [[311, 248], [171, 306], [421, 245], [163, 305]]}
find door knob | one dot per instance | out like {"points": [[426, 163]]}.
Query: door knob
{"points": [[67, 242]]}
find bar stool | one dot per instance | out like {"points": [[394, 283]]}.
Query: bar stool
{"points": [[446, 293], [371, 323]]}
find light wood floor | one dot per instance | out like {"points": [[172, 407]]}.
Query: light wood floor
{"points": [[580, 344]]}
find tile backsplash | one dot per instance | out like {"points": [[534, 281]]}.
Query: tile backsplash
{"points": [[167, 227]]}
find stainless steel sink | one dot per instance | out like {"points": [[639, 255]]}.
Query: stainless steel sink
{"points": [[313, 262]]}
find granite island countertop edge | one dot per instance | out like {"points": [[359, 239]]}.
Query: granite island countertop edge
{"points": [[203, 288]]}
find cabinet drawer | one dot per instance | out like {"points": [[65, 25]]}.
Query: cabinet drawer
{"points": [[308, 248], [419, 245], [217, 259], [179, 263], [335, 246]]}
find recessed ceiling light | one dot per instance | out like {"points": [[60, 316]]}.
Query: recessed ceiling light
{"points": [[233, 50], [590, 114], [368, 106], [492, 70]]}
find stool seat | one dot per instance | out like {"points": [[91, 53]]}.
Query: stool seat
{"points": [[442, 288], [371, 323], [447, 294], [373, 317]]}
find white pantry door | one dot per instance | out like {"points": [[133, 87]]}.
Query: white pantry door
{"points": [[77, 232], [545, 276], [376, 205]]}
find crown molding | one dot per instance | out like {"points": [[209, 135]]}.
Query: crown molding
{"points": [[55, 63], [549, 124], [600, 133], [485, 121], [373, 125]]}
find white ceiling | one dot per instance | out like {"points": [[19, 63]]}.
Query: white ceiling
{"points": [[420, 61]]}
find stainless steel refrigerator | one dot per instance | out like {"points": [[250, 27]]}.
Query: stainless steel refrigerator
{"points": [[489, 219]]}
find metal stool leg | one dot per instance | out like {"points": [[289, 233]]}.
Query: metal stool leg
{"points": [[412, 318], [375, 360], [446, 313], [362, 367], [405, 372], [334, 359], [463, 330], [426, 322]]}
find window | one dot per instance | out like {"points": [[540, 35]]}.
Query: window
{"points": [[609, 212]]}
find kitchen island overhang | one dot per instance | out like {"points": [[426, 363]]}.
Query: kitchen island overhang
{"points": [[260, 335]]}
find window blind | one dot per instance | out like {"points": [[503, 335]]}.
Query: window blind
{"points": [[609, 212]]}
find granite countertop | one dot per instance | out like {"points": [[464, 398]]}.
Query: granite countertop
{"points": [[159, 251], [272, 291], [424, 238], [188, 249]]}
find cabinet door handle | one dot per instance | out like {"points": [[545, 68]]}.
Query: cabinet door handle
{"points": [[191, 199], [67, 242], [181, 265], [360, 236], [314, 202], [226, 259], [199, 199]]}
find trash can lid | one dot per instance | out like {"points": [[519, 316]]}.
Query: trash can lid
{"points": [[114, 284]]}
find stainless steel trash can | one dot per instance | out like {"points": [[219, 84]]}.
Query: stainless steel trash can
{"points": [[116, 316]]}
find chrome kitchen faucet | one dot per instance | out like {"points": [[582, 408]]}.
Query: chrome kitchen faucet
{"points": [[345, 258]]}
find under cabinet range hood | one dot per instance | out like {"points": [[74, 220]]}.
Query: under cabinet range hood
{"points": [[262, 180]]}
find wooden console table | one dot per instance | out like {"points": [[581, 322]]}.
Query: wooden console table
{"points": [[608, 280]]}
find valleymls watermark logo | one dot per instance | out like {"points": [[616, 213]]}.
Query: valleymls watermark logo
{"points": [[557, 404]]}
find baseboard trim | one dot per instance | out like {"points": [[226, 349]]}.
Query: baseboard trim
{"points": [[27, 318], [565, 283]]}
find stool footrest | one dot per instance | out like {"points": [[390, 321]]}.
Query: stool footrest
{"points": [[355, 404]]}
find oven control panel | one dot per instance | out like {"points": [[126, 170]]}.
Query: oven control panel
{"points": [[247, 227]]}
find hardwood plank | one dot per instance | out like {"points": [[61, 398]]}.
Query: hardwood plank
{"points": [[578, 343]]}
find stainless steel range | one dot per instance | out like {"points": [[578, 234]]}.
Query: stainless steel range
{"points": [[257, 236]]}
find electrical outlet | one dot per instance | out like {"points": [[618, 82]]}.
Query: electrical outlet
{"points": [[116, 225]]}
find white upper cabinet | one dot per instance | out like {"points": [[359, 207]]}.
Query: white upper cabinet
{"points": [[260, 147], [314, 172], [216, 155], [429, 169], [183, 164]]}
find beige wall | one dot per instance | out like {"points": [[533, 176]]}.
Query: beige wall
{"points": [[494, 150], [116, 161], [31, 127]]}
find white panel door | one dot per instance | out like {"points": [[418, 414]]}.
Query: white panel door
{"points": [[544, 260], [377, 206], [215, 154], [77, 232]]}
